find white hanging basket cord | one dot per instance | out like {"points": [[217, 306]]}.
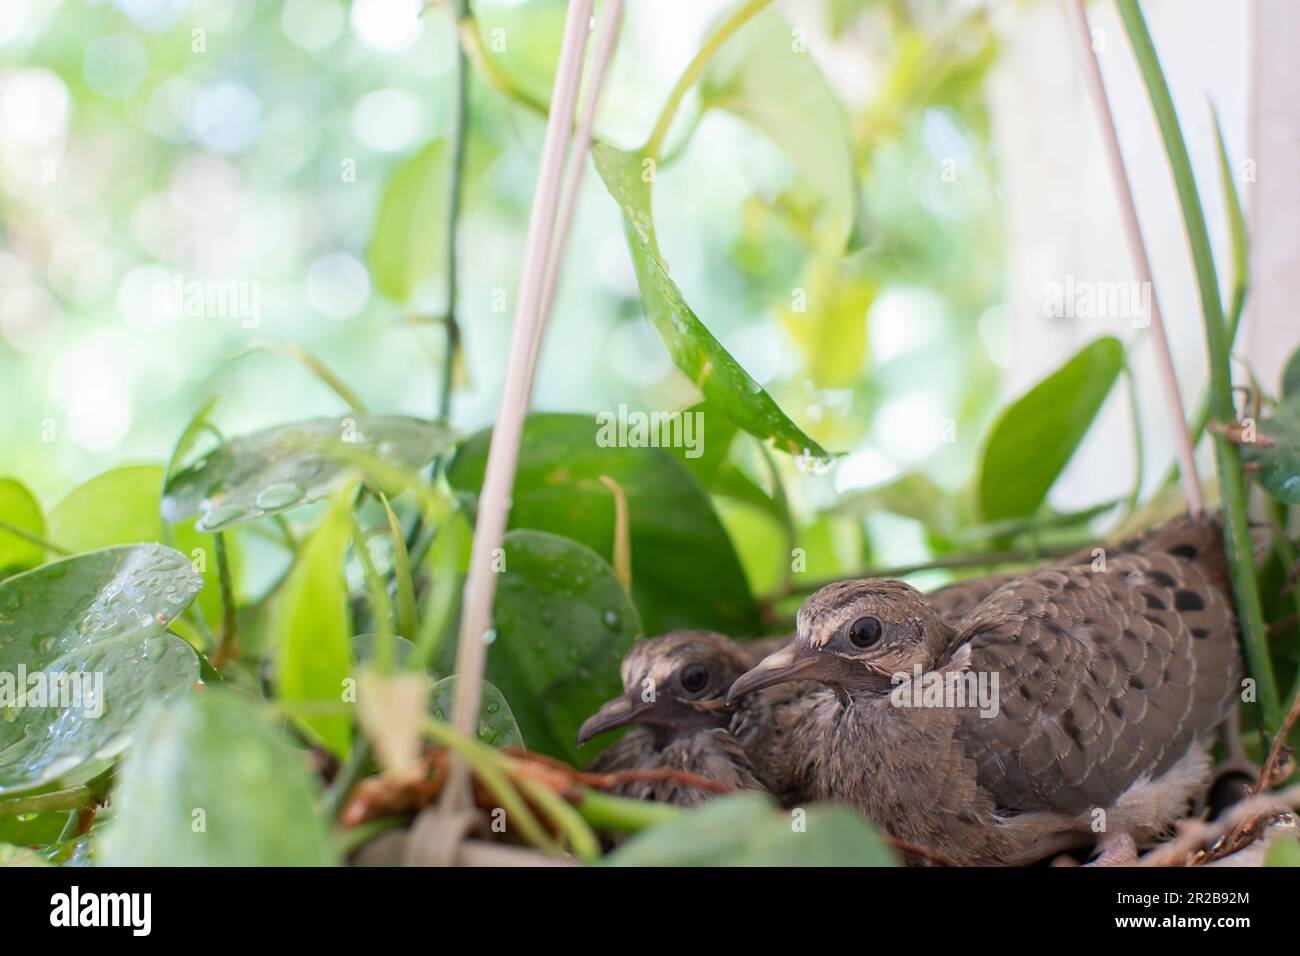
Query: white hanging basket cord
{"points": [[548, 229]]}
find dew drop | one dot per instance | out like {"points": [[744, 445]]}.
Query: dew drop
{"points": [[279, 495], [811, 464]]}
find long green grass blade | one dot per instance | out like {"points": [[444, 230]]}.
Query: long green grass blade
{"points": [[1231, 479]]}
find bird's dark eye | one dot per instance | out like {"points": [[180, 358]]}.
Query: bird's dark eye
{"points": [[694, 677], [865, 631]]}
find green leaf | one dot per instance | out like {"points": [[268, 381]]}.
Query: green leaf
{"points": [[497, 726], [122, 507], [271, 471], [447, 564], [693, 348], [910, 495], [1034, 439], [562, 625], [32, 829], [1291, 376], [1240, 238], [832, 326], [19, 508], [311, 625], [1279, 464], [759, 76], [403, 582], [1283, 852], [98, 617], [747, 830], [1218, 346], [215, 782], [496, 721], [410, 240], [523, 42], [685, 570]]}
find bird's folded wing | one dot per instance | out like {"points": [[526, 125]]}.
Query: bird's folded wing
{"points": [[954, 601], [1104, 676]]}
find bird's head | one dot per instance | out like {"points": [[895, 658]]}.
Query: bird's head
{"points": [[674, 684], [854, 636]]}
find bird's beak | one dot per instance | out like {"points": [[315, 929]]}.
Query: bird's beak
{"points": [[619, 712], [795, 661]]}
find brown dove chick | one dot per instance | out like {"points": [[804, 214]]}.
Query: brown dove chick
{"points": [[675, 688], [1073, 705]]}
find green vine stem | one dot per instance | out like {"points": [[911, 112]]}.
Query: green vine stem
{"points": [[1139, 452], [1231, 478], [455, 195], [32, 538], [229, 647], [611, 814], [1240, 246], [712, 43]]}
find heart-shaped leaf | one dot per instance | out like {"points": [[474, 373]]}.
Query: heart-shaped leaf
{"points": [[216, 782], [19, 509], [121, 506], [772, 82], [496, 721], [747, 830], [1278, 463], [280, 468], [497, 726], [92, 629], [1034, 439], [562, 624], [693, 348], [685, 572]]}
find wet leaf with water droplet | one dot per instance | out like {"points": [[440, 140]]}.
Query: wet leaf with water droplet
{"points": [[693, 348], [121, 506], [215, 781], [271, 471], [94, 618], [556, 675], [685, 572], [496, 721]]}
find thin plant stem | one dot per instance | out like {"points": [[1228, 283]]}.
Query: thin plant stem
{"points": [[1232, 485], [609, 29], [712, 43], [35, 539], [1139, 452], [503, 452], [455, 196], [612, 814], [1138, 248], [228, 650]]}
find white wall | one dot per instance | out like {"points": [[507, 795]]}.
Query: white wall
{"points": [[1063, 214]]}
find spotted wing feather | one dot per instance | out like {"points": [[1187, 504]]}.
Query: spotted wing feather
{"points": [[1106, 673]]}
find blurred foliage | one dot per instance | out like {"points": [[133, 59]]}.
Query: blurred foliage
{"points": [[842, 257]]}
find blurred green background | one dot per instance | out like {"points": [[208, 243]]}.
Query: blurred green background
{"points": [[162, 141]]}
